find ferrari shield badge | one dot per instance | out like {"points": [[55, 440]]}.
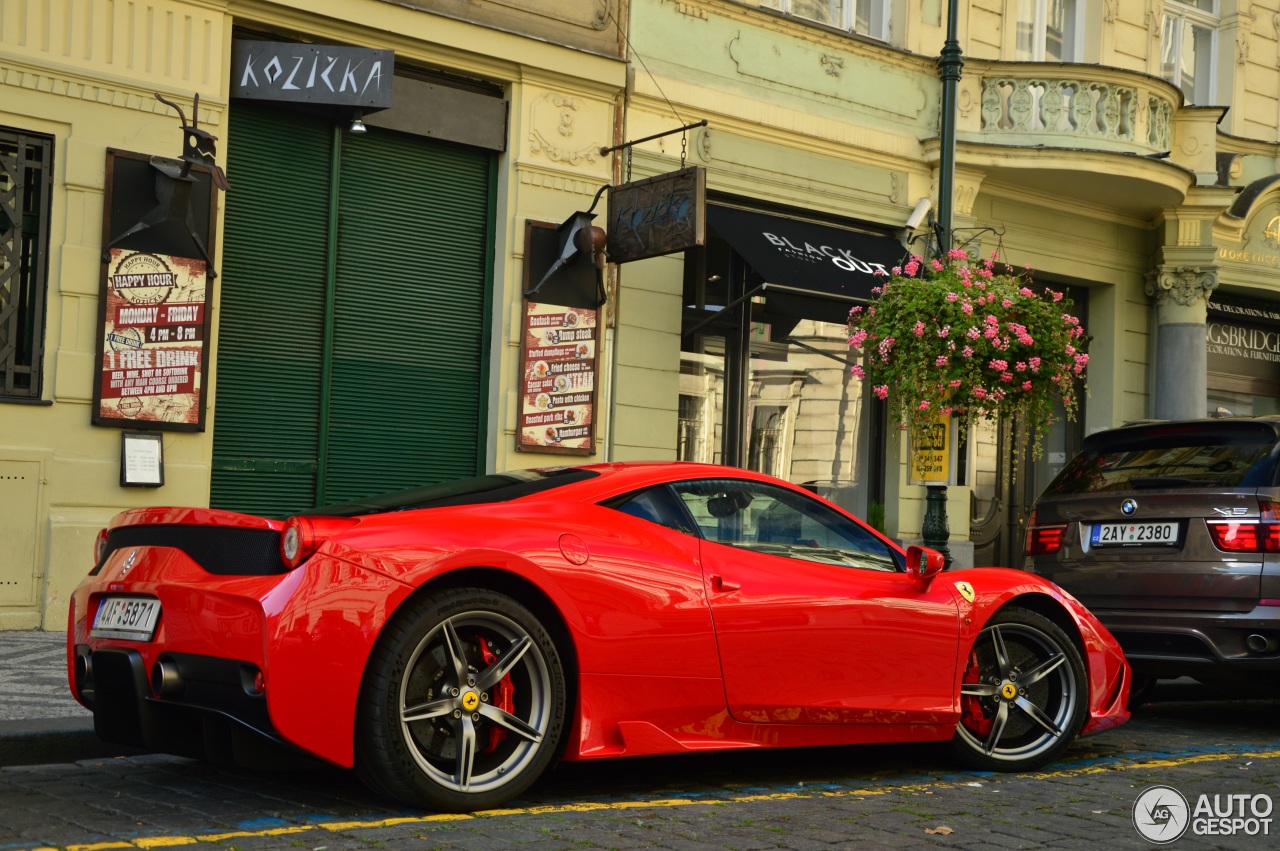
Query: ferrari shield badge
{"points": [[966, 590]]}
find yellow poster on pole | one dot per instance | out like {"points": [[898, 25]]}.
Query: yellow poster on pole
{"points": [[932, 459]]}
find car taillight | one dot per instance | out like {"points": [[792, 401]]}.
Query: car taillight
{"points": [[1043, 540], [100, 547], [302, 536], [1249, 536]]}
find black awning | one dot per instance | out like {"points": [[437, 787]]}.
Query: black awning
{"points": [[811, 271]]}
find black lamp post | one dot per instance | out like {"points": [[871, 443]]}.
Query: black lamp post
{"points": [[935, 530]]}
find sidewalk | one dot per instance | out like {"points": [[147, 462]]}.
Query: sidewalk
{"points": [[40, 722]]}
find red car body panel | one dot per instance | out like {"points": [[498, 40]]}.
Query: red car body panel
{"points": [[675, 643]]}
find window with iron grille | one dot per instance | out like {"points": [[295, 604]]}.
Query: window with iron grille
{"points": [[26, 177]]}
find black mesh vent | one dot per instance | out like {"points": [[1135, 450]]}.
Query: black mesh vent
{"points": [[226, 551]]}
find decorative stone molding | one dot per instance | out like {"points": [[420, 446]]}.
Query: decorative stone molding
{"points": [[555, 115], [1184, 285], [112, 94], [832, 65]]}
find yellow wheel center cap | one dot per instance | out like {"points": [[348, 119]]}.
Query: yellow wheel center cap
{"points": [[1009, 691], [470, 701]]}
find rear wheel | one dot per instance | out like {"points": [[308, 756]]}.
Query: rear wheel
{"points": [[463, 703], [1024, 694]]}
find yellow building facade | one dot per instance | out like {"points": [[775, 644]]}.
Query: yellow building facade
{"points": [[368, 323], [495, 121]]}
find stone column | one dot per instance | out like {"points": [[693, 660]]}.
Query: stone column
{"points": [[1181, 294]]}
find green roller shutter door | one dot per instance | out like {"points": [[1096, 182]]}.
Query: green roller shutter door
{"points": [[395, 399], [271, 313], [407, 367]]}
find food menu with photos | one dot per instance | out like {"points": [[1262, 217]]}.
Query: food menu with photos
{"points": [[152, 342], [559, 363]]}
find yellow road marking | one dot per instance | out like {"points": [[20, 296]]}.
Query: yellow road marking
{"points": [[589, 806]]}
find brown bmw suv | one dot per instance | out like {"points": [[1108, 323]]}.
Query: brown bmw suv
{"points": [[1170, 533]]}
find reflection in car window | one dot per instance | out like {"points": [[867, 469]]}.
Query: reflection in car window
{"points": [[769, 519], [1169, 456], [657, 505]]}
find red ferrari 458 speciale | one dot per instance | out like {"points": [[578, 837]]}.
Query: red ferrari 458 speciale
{"points": [[450, 642]]}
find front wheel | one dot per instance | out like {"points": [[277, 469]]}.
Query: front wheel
{"points": [[1023, 695], [463, 703]]}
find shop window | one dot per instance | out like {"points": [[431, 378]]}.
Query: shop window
{"points": [[865, 17], [26, 175], [1188, 46], [1048, 31]]}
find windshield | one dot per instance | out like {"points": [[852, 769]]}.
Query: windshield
{"points": [[499, 487]]}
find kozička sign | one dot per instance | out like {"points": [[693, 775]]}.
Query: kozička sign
{"points": [[312, 73]]}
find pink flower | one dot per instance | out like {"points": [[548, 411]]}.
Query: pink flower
{"points": [[998, 365], [919, 329], [859, 338], [936, 265], [1026, 385], [1034, 363], [986, 273], [967, 352], [944, 331], [924, 404], [1006, 377], [881, 390], [856, 310], [957, 254], [973, 333], [945, 410], [951, 297], [880, 273], [954, 383], [980, 392], [858, 371], [1057, 296], [967, 308], [897, 270], [940, 360], [1006, 303], [911, 268], [991, 320], [1021, 366]]}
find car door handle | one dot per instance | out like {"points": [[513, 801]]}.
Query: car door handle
{"points": [[720, 586]]}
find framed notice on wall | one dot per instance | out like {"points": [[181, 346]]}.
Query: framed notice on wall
{"points": [[151, 357], [559, 361]]}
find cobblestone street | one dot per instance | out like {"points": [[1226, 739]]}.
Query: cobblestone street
{"points": [[864, 797]]}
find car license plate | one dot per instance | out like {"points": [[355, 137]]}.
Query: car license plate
{"points": [[130, 618], [1133, 534]]}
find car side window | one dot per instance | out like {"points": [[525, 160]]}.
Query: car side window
{"points": [[657, 505], [768, 519]]}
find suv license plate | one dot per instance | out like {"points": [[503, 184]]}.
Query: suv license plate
{"points": [[130, 618], [1133, 534]]}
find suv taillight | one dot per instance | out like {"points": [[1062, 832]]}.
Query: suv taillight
{"points": [[1249, 536], [1043, 540]]}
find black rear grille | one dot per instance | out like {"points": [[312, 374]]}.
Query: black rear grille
{"points": [[225, 551]]}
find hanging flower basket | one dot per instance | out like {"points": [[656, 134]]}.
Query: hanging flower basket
{"points": [[976, 340]]}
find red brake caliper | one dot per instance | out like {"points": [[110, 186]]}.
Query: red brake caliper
{"points": [[503, 694], [971, 714]]}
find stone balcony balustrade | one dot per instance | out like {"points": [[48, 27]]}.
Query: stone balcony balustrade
{"points": [[1068, 106]]}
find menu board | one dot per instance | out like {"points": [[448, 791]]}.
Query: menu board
{"points": [[154, 324], [559, 362]]}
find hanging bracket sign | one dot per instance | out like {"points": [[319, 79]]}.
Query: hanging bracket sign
{"points": [[660, 215]]}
